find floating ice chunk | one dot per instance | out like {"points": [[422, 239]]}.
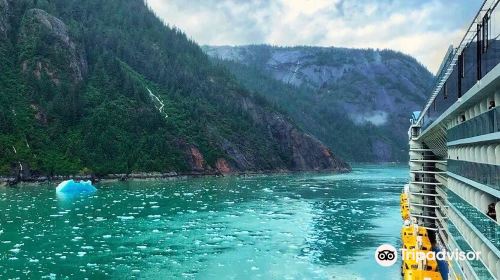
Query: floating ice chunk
{"points": [[70, 186], [126, 217], [154, 216]]}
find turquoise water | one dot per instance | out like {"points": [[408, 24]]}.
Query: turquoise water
{"points": [[300, 226]]}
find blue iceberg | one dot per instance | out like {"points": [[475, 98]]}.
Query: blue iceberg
{"points": [[72, 187]]}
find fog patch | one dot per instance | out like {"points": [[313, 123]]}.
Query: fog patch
{"points": [[377, 118]]}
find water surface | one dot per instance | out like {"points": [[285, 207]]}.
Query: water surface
{"points": [[300, 226]]}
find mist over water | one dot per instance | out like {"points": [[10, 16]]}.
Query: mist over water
{"points": [[299, 226]]}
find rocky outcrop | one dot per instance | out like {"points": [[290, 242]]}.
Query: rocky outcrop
{"points": [[53, 44], [40, 115], [306, 152], [223, 166], [240, 160], [195, 159]]}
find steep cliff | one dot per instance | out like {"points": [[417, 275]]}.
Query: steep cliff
{"points": [[60, 59], [105, 87], [356, 101]]}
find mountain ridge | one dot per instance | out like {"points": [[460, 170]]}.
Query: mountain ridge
{"points": [[340, 95]]}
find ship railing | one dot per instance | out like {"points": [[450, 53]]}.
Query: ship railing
{"points": [[456, 229], [488, 227], [486, 174], [485, 123], [457, 242], [476, 55]]}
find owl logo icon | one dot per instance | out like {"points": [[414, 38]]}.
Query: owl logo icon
{"points": [[386, 255]]}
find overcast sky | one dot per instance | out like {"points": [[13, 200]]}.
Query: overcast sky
{"points": [[421, 28]]}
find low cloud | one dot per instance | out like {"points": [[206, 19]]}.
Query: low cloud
{"points": [[423, 29], [376, 118]]}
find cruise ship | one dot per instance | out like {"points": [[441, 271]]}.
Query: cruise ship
{"points": [[454, 145]]}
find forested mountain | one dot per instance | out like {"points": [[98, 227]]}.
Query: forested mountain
{"points": [[356, 101], [105, 87]]}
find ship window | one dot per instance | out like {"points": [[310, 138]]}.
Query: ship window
{"points": [[445, 90]]}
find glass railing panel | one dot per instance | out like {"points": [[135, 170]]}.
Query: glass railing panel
{"points": [[485, 123], [469, 78], [491, 58], [452, 85], [491, 51], [486, 174], [478, 267], [487, 226], [496, 124]]}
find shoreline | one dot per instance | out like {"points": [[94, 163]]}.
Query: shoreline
{"points": [[6, 181], [12, 181]]}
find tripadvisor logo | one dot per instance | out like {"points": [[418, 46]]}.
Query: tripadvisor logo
{"points": [[386, 255], [440, 256]]}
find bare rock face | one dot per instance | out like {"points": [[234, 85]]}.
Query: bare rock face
{"points": [[299, 151], [242, 161], [307, 153], [223, 166], [44, 40], [195, 159], [40, 115]]}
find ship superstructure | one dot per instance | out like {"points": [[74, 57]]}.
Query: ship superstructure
{"points": [[454, 147]]}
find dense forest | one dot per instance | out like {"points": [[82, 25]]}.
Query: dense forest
{"points": [[99, 87]]}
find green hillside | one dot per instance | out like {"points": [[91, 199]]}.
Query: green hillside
{"points": [[105, 87]]}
